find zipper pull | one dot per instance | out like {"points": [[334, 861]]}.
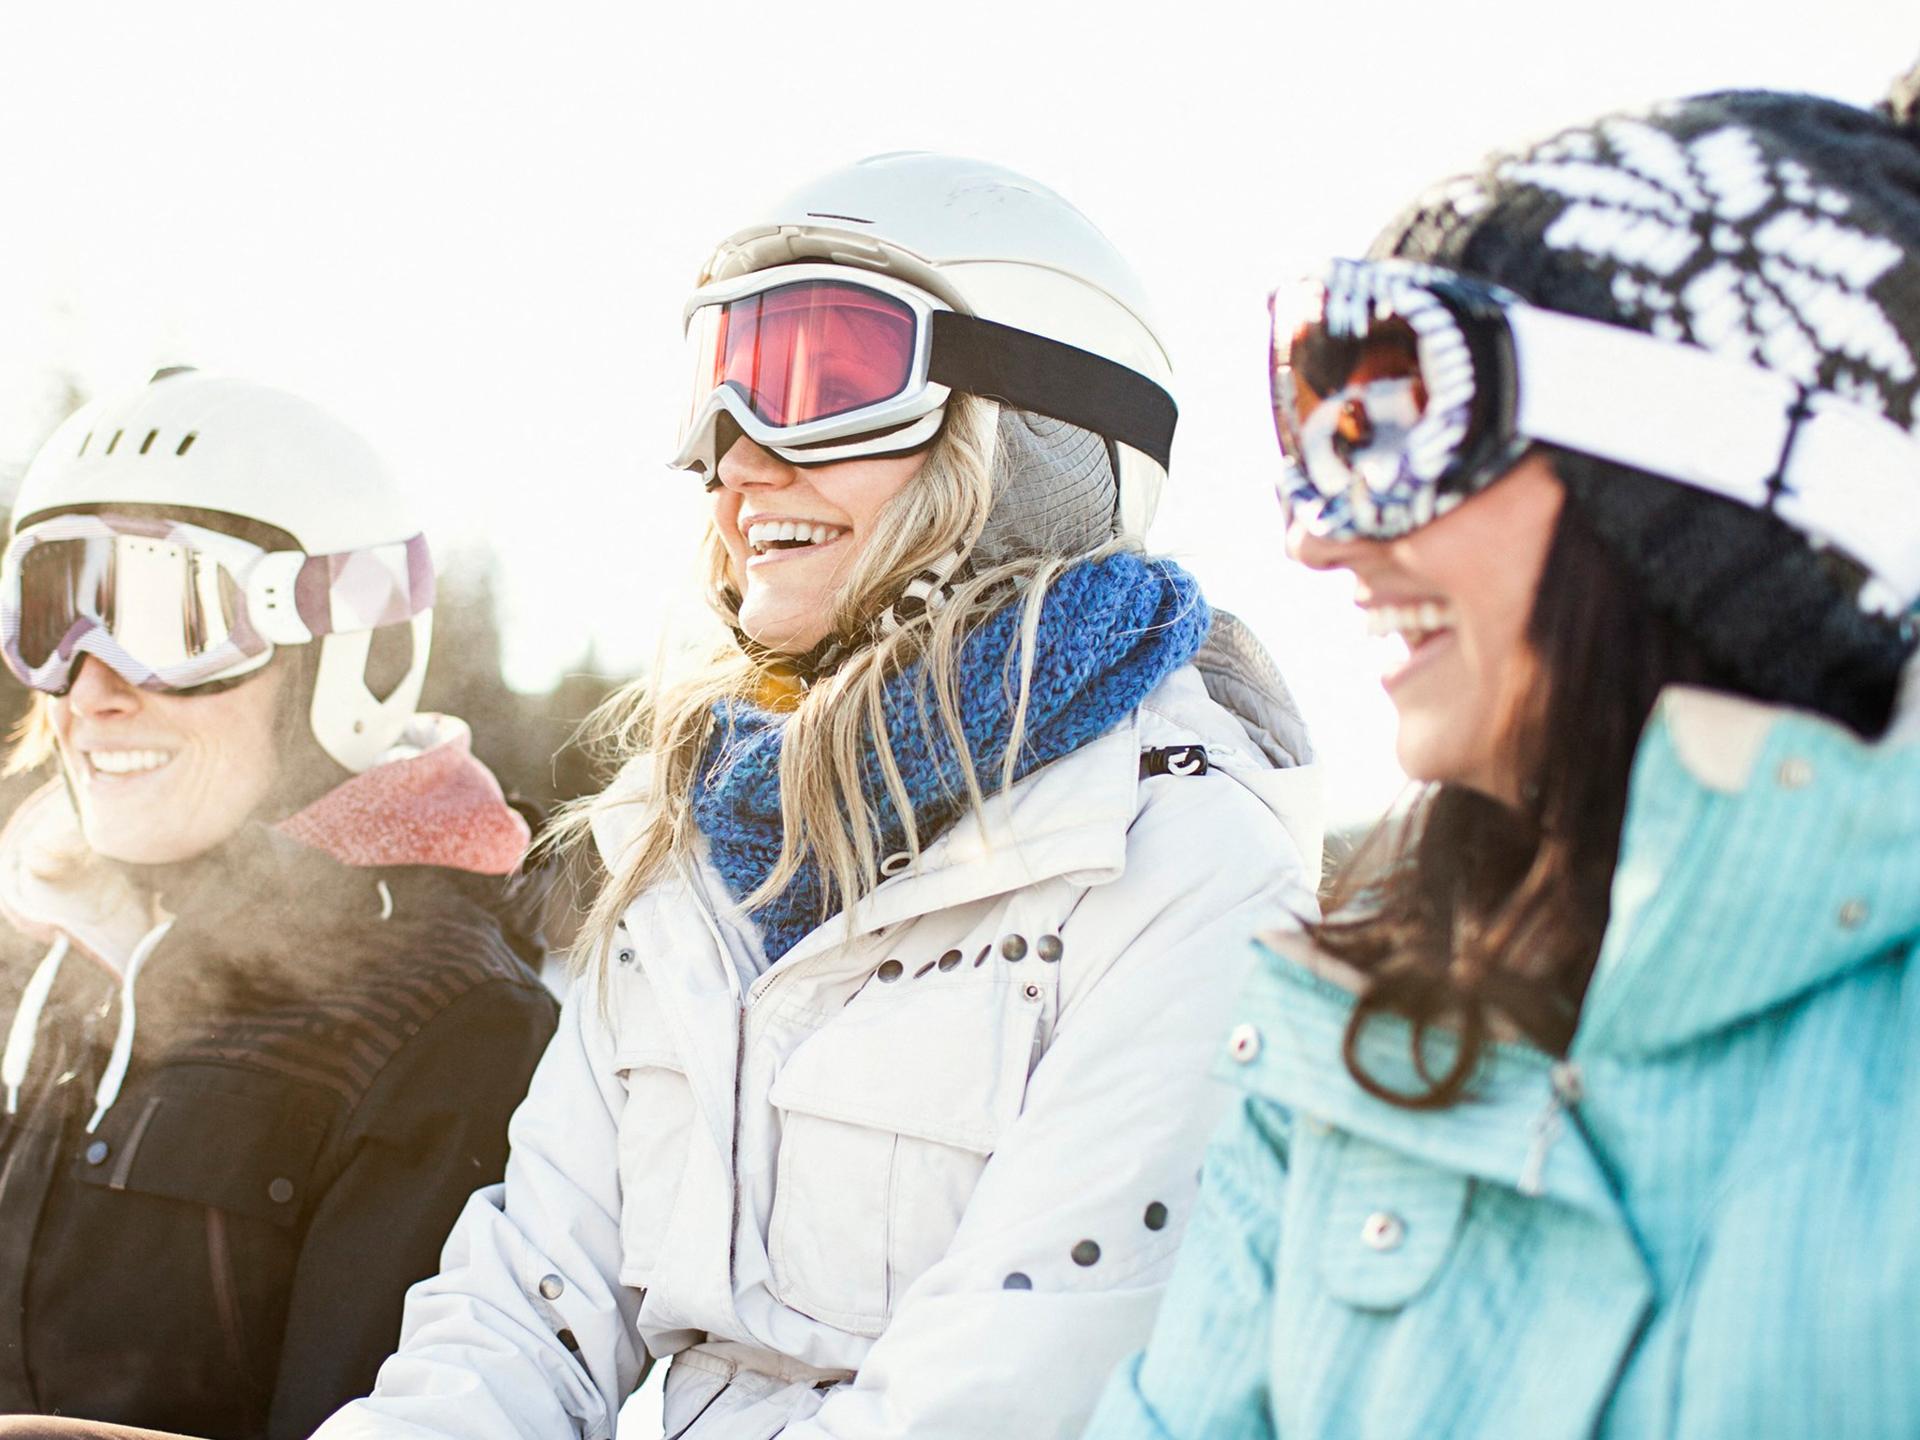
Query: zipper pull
{"points": [[1568, 1088]]}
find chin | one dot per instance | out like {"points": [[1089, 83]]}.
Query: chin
{"points": [[140, 850], [782, 634]]}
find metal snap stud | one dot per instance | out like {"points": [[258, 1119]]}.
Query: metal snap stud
{"points": [[1017, 1281], [890, 971], [1049, 948], [1086, 1253], [1033, 992], [981, 958], [1244, 1043], [97, 1153], [1156, 1216], [1794, 773], [625, 957], [552, 1287], [1383, 1231], [280, 1191], [949, 960], [1853, 914], [925, 969], [1014, 947]]}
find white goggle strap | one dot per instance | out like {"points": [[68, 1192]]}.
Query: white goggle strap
{"points": [[1832, 469]]}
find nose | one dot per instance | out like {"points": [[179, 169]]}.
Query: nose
{"points": [[1317, 552], [99, 689], [746, 466]]}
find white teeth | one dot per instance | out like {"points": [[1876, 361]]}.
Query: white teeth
{"points": [[127, 762], [1420, 619], [763, 533]]}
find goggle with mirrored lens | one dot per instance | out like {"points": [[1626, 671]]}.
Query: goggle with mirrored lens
{"points": [[172, 606], [1399, 390], [820, 363]]}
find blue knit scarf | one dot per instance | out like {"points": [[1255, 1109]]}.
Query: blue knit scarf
{"points": [[1110, 631]]}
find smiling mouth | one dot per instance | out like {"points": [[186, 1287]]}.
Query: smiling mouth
{"points": [[121, 763], [1416, 624], [769, 537]]}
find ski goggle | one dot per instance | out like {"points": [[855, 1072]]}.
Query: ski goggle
{"points": [[172, 606], [821, 363], [1400, 390]]}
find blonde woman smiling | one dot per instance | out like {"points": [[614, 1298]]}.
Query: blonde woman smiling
{"points": [[879, 1104]]}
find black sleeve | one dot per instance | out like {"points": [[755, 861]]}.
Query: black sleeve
{"points": [[431, 1131]]}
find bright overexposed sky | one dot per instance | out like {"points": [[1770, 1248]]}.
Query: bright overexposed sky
{"points": [[468, 228]]}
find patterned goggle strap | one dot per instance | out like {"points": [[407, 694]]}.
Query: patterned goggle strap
{"points": [[365, 589]]}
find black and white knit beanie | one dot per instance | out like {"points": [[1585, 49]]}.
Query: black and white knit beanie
{"points": [[1780, 229]]}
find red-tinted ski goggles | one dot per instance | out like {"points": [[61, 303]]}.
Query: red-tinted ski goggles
{"points": [[820, 363], [1399, 390]]}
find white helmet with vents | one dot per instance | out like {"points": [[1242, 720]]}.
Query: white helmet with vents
{"points": [[231, 448], [986, 243]]}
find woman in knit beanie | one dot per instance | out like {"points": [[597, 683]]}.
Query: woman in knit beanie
{"points": [[1593, 1106], [886, 1065]]}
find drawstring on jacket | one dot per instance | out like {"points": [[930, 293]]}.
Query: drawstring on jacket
{"points": [[108, 1090], [24, 1033], [26, 1021]]}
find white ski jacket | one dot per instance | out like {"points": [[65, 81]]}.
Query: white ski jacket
{"points": [[922, 1179]]}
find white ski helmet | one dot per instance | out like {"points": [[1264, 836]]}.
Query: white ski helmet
{"points": [[232, 447], [990, 243]]}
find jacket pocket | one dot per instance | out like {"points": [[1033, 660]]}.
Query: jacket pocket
{"points": [[1387, 1225], [888, 1114], [656, 1123], [247, 1153]]}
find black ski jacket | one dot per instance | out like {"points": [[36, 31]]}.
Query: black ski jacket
{"points": [[324, 1061]]}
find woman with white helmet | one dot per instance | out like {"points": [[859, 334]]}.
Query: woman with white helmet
{"points": [[267, 1000], [879, 1101]]}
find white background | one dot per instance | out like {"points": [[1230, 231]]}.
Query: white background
{"points": [[469, 228]]}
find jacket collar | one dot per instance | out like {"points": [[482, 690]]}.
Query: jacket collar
{"points": [[1766, 852], [1511, 1131], [1070, 818]]}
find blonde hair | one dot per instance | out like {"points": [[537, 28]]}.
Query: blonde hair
{"points": [[31, 743], [828, 817]]}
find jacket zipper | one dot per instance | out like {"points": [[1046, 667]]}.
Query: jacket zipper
{"points": [[226, 1297], [739, 1076]]}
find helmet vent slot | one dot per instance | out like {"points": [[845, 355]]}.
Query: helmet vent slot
{"points": [[114, 441], [186, 444], [147, 444]]}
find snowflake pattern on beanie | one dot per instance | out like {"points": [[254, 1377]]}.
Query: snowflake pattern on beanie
{"points": [[1723, 246]]}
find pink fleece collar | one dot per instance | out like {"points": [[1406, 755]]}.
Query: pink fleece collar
{"points": [[439, 806]]}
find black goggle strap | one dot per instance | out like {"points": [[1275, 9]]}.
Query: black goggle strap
{"points": [[1060, 381]]}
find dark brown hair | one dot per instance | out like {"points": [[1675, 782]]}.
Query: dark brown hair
{"points": [[1465, 913]]}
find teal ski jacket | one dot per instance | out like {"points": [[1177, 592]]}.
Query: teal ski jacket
{"points": [[1704, 1221]]}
